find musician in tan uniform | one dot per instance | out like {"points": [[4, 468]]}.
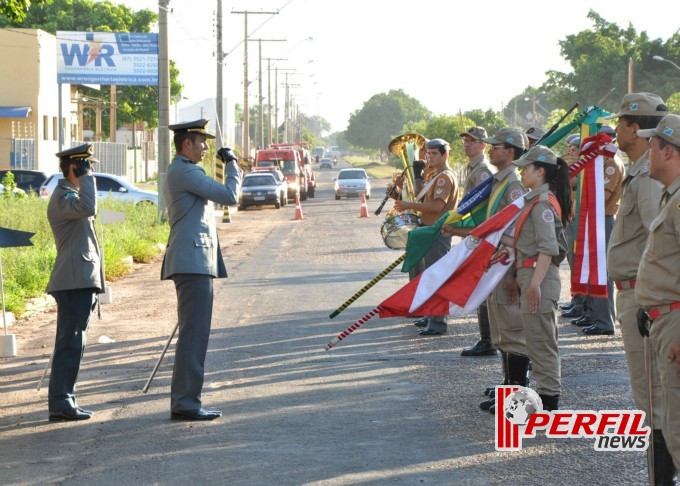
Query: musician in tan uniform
{"points": [[477, 171], [640, 196], [657, 288], [507, 333], [441, 195], [540, 247]]}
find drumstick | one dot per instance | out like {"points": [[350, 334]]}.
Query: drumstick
{"points": [[368, 286]]}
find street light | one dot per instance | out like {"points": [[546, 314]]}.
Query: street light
{"points": [[661, 59]]}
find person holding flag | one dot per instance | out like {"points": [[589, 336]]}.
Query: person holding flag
{"points": [[540, 246], [507, 333]]}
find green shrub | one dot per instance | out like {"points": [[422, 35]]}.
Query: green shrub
{"points": [[26, 270]]}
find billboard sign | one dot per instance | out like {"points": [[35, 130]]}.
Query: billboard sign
{"points": [[122, 58]]}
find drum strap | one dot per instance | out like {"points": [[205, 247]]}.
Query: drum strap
{"points": [[429, 184]]}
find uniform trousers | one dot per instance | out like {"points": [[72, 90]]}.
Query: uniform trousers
{"points": [[664, 332], [634, 348], [505, 323], [440, 248], [194, 312], [74, 310], [540, 331]]}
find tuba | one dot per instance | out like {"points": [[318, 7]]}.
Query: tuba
{"points": [[407, 147]]}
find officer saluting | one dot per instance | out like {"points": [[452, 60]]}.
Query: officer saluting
{"points": [[657, 288], [193, 258], [76, 276]]}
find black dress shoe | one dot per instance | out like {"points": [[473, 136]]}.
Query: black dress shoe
{"points": [[597, 331], [482, 348], [430, 332], [422, 322], [567, 306], [82, 410], [572, 312], [199, 414], [582, 321], [73, 414]]}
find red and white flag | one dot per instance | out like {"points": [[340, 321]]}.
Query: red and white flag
{"points": [[459, 282]]}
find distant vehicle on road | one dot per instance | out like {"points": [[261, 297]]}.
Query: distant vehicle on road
{"points": [[280, 180], [108, 185], [261, 188], [352, 183], [318, 152], [335, 151], [326, 163], [26, 180]]}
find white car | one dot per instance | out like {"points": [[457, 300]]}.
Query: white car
{"points": [[108, 185], [352, 183]]}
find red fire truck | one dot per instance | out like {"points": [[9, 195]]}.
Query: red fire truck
{"points": [[288, 161], [307, 165]]}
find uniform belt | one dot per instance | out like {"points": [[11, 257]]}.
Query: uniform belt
{"points": [[529, 262], [657, 312], [625, 285]]}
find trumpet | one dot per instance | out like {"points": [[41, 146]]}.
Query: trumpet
{"points": [[407, 147]]}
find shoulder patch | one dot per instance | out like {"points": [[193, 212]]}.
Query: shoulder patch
{"points": [[484, 176], [610, 170], [516, 194], [441, 181], [69, 195], [548, 216]]}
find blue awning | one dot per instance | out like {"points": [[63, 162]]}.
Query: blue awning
{"points": [[14, 111]]}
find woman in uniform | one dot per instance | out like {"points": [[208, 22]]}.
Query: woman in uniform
{"points": [[540, 246]]}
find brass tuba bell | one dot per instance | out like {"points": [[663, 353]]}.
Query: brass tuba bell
{"points": [[407, 147]]}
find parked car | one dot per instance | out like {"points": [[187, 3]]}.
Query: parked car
{"points": [[326, 163], [17, 192], [26, 180], [280, 180], [108, 185], [352, 183], [260, 188]]}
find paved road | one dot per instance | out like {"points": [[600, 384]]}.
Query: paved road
{"points": [[384, 407]]}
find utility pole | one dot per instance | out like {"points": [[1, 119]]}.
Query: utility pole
{"points": [[269, 95], [219, 95], [260, 98], [246, 117], [163, 102]]}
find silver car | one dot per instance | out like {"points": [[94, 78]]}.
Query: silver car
{"points": [[352, 183], [108, 185]]}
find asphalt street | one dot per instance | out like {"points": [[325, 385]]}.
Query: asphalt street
{"points": [[383, 407]]}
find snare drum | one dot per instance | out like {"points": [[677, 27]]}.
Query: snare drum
{"points": [[395, 229]]}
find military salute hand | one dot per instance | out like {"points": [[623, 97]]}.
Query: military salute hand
{"points": [[83, 167]]}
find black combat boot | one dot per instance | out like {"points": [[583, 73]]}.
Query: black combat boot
{"points": [[518, 372], [484, 347], [550, 402], [664, 470]]}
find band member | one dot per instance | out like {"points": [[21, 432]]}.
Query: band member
{"points": [[640, 196], [76, 278], [540, 246], [441, 195], [193, 258]]}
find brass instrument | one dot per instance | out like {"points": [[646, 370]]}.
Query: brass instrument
{"points": [[407, 147]]}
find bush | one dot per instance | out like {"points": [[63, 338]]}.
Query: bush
{"points": [[26, 270]]}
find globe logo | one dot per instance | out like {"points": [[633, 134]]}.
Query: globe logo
{"points": [[521, 404]]}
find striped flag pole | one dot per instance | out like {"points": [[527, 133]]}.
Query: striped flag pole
{"points": [[368, 286], [352, 328]]}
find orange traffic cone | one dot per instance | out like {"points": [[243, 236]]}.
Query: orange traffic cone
{"points": [[364, 208], [298, 208]]}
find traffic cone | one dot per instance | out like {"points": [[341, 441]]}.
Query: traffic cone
{"points": [[298, 208], [226, 216], [364, 208]]}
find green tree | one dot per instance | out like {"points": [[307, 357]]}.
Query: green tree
{"points": [[134, 103], [599, 58], [382, 118], [491, 120], [15, 10]]}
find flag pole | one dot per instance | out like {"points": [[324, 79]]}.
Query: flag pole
{"points": [[352, 328], [367, 286]]}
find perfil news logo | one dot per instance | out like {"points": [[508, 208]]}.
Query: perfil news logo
{"points": [[519, 414], [83, 54]]}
